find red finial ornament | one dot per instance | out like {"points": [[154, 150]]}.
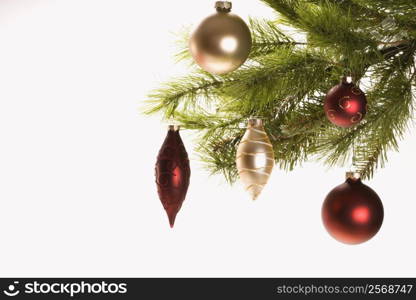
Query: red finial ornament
{"points": [[172, 173]]}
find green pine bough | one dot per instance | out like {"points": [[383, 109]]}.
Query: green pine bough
{"points": [[285, 82]]}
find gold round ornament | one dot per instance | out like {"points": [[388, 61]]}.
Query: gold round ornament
{"points": [[255, 158], [222, 42]]}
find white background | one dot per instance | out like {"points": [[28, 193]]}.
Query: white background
{"points": [[77, 192]]}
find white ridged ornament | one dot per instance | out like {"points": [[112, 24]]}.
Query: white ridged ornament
{"points": [[255, 158]]}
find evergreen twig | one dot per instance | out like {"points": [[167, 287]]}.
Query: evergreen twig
{"points": [[285, 81]]}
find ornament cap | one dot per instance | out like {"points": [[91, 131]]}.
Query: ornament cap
{"points": [[355, 176], [174, 127], [223, 6], [347, 79], [255, 122]]}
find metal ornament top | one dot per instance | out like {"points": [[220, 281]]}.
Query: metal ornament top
{"points": [[223, 6], [352, 175]]}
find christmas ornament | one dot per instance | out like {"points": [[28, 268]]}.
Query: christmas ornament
{"points": [[222, 42], [255, 158], [352, 212], [172, 173], [345, 104]]}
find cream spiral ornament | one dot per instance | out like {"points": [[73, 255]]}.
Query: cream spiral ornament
{"points": [[255, 158]]}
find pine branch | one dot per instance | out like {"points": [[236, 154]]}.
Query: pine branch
{"points": [[286, 8], [183, 93], [386, 124], [328, 25], [219, 155], [267, 37], [285, 83], [282, 74], [401, 11], [274, 76]]}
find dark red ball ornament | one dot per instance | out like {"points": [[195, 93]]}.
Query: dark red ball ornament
{"points": [[352, 212], [172, 173], [345, 104]]}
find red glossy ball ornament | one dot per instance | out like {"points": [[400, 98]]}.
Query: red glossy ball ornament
{"points": [[172, 173], [352, 212], [345, 104]]}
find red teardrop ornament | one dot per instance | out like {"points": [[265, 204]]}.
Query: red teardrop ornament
{"points": [[172, 173]]}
